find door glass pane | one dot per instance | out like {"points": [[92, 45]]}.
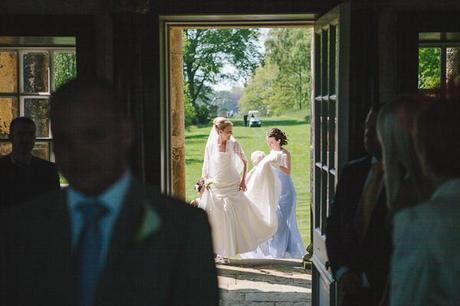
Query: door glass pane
{"points": [[453, 65], [8, 111], [8, 71], [317, 193], [64, 67], [35, 72], [38, 111], [429, 68], [41, 150]]}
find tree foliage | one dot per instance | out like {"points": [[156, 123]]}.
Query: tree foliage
{"points": [[283, 81], [207, 51], [429, 68], [227, 100], [65, 67], [259, 94]]}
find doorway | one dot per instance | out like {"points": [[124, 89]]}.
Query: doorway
{"points": [[288, 109], [329, 114]]}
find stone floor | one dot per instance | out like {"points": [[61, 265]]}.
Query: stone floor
{"points": [[267, 282]]}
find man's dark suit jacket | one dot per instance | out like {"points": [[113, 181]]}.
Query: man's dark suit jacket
{"points": [[371, 255], [18, 184], [172, 265]]}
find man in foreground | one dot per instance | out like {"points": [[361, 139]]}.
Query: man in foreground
{"points": [[108, 239]]}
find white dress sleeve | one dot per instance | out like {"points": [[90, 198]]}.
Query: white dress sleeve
{"points": [[284, 158], [239, 150], [206, 162]]}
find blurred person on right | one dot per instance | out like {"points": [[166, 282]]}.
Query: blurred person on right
{"points": [[357, 239], [425, 264], [404, 183]]}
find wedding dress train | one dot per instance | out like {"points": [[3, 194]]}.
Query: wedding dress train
{"points": [[240, 221]]}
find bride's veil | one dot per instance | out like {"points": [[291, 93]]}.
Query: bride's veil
{"points": [[211, 148]]}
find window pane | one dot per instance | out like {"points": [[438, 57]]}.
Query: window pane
{"points": [[41, 150], [35, 69], [429, 36], [453, 65], [429, 68], [5, 148], [8, 71], [8, 111], [65, 67], [38, 111]]}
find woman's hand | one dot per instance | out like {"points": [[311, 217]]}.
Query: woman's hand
{"points": [[242, 186]]}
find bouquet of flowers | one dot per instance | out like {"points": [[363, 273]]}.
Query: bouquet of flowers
{"points": [[202, 184], [200, 187]]}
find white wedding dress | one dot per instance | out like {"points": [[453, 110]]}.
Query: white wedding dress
{"points": [[240, 221]]}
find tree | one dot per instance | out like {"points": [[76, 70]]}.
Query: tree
{"points": [[65, 67], [289, 49], [227, 101], [189, 110], [453, 66], [429, 68], [283, 81], [259, 92], [207, 51]]}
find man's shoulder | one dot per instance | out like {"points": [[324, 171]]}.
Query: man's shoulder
{"points": [[165, 205], [359, 162], [43, 163], [5, 160], [359, 165], [35, 209]]}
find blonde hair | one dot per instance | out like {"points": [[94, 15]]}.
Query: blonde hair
{"points": [[395, 125]]}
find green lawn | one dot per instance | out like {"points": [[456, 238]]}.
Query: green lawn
{"points": [[251, 139]]}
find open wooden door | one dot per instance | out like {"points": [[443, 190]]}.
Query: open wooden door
{"points": [[330, 134]]}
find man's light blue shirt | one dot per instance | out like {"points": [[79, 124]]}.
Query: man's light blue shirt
{"points": [[112, 198]]}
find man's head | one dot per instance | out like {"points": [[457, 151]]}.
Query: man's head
{"points": [[437, 140], [371, 142], [91, 136], [22, 136]]}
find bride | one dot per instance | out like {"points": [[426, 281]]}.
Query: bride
{"points": [[241, 217]]}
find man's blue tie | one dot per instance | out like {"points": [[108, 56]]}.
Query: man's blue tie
{"points": [[88, 253]]}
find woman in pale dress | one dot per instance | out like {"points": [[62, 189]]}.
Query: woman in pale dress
{"points": [[241, 217], [286, 242]]}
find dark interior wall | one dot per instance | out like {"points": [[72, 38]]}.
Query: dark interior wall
{"points": [[119, 39], [52, 7], [364, 90], [82, 27], [241, 7], [399, 25]]}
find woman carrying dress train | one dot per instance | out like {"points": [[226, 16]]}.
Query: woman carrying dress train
{"points": [[241, 217], [286, 242]]}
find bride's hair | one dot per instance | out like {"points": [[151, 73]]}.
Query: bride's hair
{"points": [[220, 123], [278, 135]]}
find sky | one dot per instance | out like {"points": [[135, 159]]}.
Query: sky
{"points": [[227, 84]]}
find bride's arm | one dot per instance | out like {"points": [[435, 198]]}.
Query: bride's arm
{"points": [[239, 151], [243, 178]]}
